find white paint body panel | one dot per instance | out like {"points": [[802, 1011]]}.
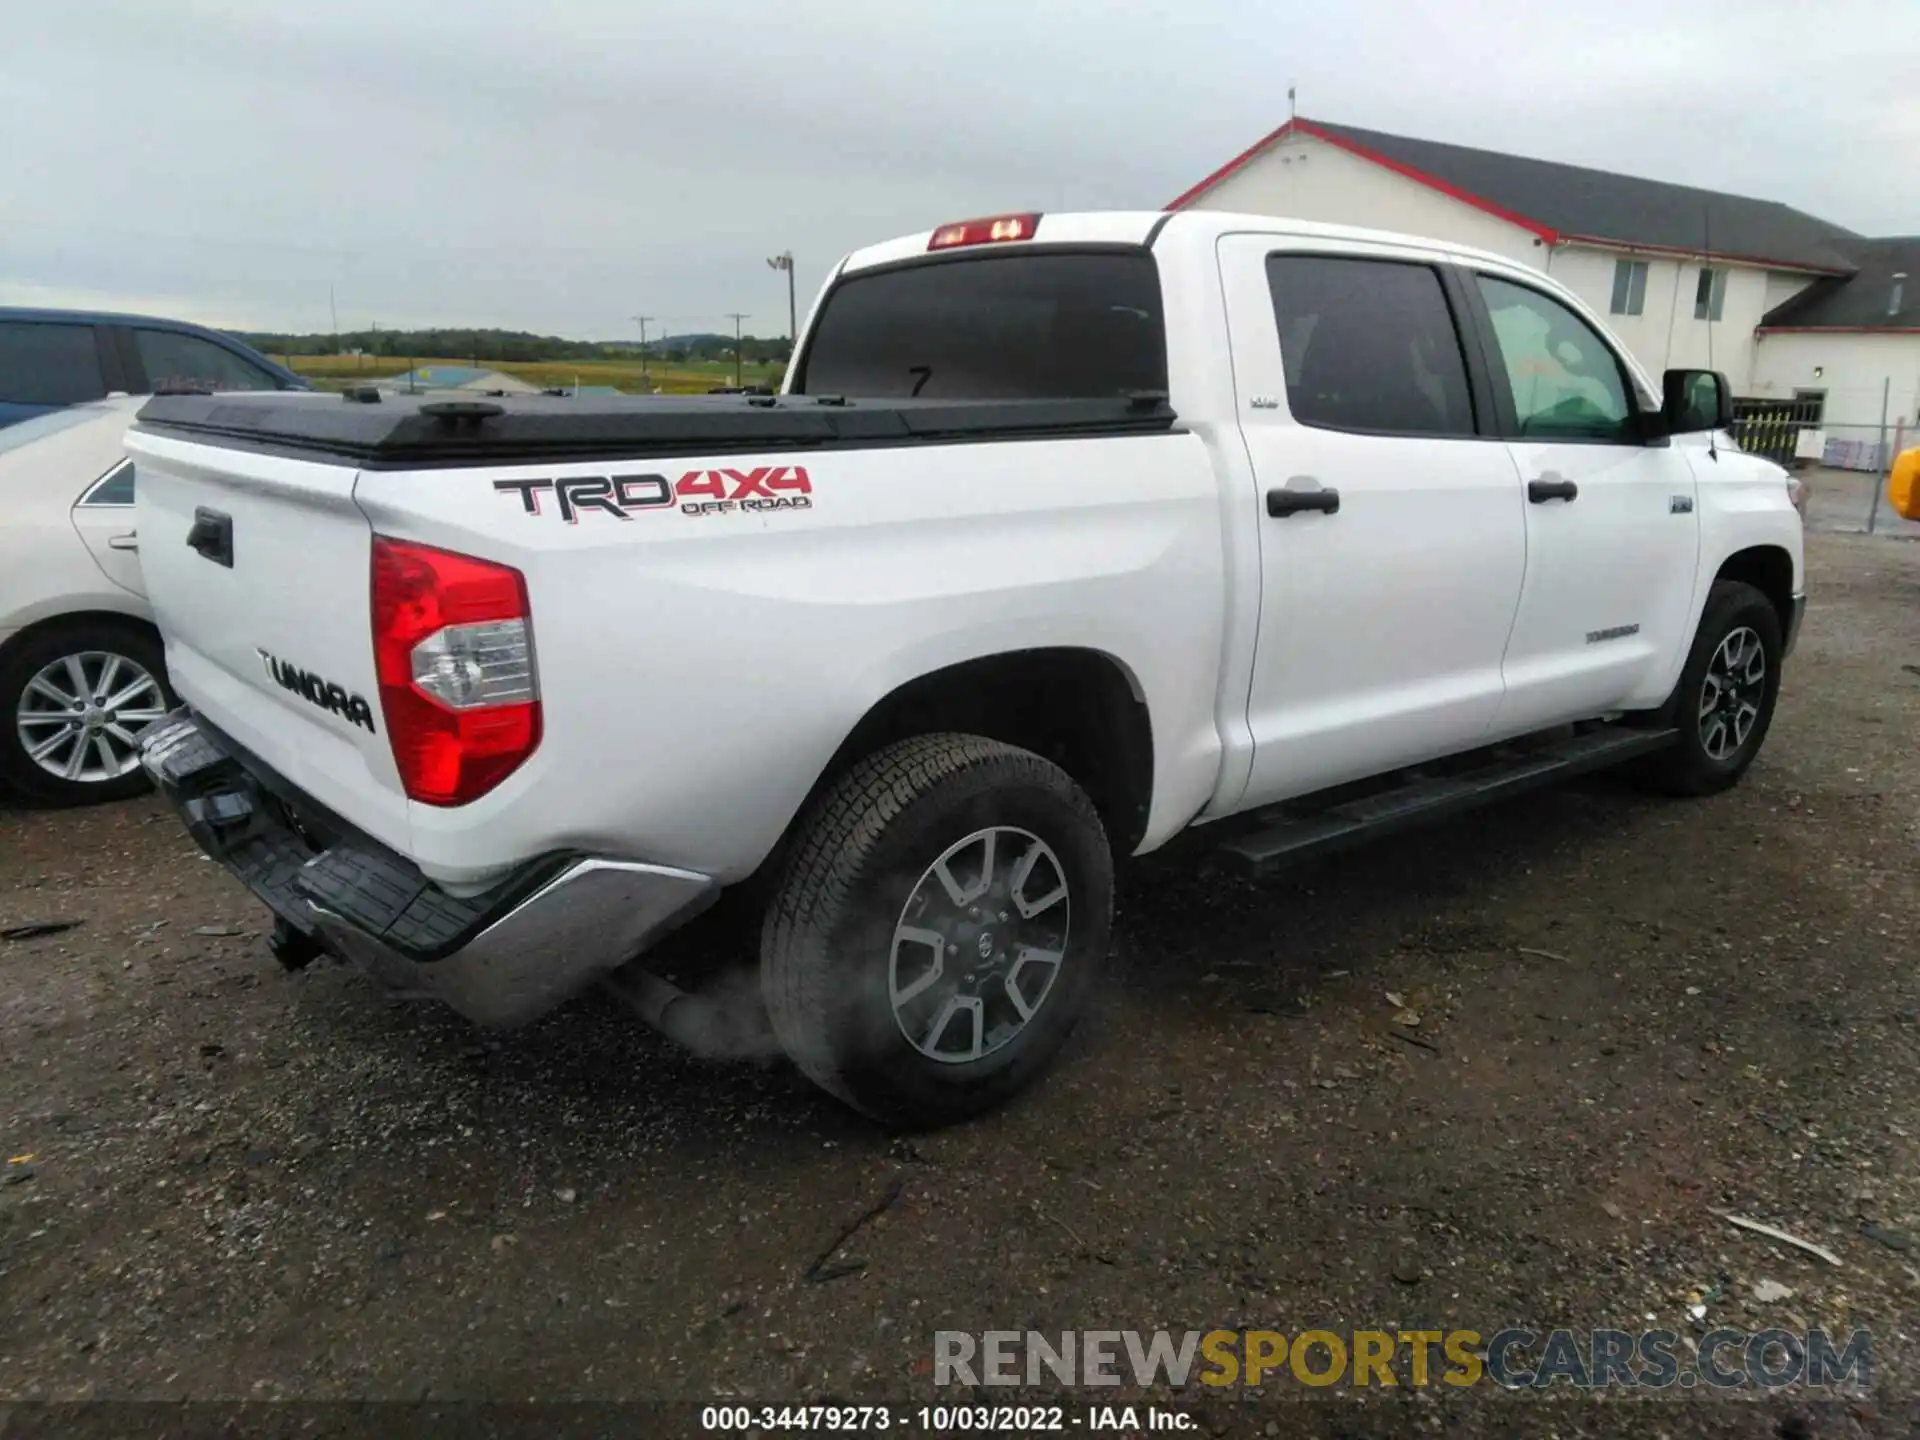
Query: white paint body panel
{"points": [[54, 559], [697, 672]]}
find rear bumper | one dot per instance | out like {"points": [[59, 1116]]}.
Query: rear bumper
{"points": [[502, 957]]}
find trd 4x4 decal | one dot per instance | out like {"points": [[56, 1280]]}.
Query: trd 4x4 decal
{"points": [[698, 492]]}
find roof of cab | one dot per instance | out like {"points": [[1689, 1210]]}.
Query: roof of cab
{"points": [[1140, 227]]}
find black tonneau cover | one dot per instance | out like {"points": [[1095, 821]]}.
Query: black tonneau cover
{"points": [[410, 431]]}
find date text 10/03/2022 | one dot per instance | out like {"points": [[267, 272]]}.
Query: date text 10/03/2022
{"points": [[950, 1419]]}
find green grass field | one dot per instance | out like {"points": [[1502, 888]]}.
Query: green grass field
{"points": [[690, 377]]}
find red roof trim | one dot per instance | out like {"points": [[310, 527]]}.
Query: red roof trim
{"points": [[1602, 242], [1432, 182], [1837, 330]]}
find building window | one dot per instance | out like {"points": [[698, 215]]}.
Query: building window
{"points": [[1710, 295], [1629, 287]]}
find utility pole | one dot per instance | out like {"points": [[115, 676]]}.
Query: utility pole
{"points": [[784, 261], [736, 316], [642, 320], [334, 311]]}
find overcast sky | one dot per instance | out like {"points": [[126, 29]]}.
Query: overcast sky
{"points": [[562, 166]]}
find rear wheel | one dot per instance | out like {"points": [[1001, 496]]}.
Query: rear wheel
{"points": [[74, 699], [1723, 703], [938, 928]]}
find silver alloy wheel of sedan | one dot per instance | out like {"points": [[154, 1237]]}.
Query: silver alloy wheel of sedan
{"points": [[80, 716], [979, 944], [1732, 693]]}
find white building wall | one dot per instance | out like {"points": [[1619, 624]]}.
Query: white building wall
{"points": [[1304, 178], [1853, 367], [1664, 335]]}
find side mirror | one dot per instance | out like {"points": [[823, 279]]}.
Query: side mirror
{"points": [[1693, 400]]}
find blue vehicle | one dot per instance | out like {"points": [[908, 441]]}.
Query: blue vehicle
{"points": [[54, 358]]}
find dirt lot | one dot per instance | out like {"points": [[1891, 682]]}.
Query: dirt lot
{"points": [[1633, 1013]]}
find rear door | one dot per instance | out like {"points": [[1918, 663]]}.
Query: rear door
{"points": [[1612, 534], [104, 517], [258, 567], [1392, 539]]}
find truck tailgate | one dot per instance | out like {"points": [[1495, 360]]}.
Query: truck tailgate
{"points": [[258, 567]]}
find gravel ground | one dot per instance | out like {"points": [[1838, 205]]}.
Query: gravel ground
{"points": [[234, 1183]]}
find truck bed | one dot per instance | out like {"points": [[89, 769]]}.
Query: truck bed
{"points": [[417, 431]]}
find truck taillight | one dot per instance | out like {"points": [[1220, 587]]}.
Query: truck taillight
{"points": [[993, 231], [453, 647]]}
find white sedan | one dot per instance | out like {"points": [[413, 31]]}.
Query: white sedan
{"points": [[82, 671]]}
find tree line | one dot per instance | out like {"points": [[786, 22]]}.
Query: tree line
{"points": [[485, 346]]}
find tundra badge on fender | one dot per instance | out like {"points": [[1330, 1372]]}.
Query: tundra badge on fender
{"points": [[318, 690]]}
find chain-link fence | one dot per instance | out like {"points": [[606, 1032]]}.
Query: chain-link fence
{"points": [[1841, 442]]}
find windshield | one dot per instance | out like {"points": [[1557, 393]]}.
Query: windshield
{"points": [[1028, 326]]}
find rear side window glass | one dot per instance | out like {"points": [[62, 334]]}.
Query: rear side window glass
{"points": [[113, 488], [1369, 345], [1032, 326], [43, 364], [186, 362]]}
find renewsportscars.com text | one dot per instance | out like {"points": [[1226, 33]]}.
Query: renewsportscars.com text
{"points": [[1512, 1358]]}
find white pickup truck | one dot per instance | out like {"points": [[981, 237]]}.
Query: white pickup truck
{"points": [[1068, 534]]}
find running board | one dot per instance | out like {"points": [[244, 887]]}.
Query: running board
{"points": [[1341, 826]]}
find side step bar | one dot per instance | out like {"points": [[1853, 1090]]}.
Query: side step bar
{"points": [[1341, 826]]}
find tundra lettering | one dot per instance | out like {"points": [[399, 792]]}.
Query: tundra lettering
{"points": [[317, 690]]}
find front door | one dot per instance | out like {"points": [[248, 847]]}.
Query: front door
{"points": [[1391, 522], [1612, 537]]}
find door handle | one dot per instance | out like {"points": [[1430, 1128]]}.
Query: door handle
{"points": [[212, 535], [1282, 503], [129, 541], [1551, 487]]}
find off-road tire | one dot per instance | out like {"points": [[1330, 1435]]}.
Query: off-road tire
{"points": [[827, 942], [1688, 769]]}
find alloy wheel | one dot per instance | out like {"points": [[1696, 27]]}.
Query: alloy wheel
{"points": [[979, 944], [1732, 693], [80, 717]]}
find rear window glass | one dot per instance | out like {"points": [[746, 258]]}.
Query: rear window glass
{"points": [[1369, 345], [1033, 326], [186, 362], [42, 364]]}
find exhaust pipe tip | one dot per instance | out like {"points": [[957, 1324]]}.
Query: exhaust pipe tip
{"points": [[701, 1024]]}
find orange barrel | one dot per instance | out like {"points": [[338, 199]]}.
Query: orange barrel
{"points": [[1903, 488]]}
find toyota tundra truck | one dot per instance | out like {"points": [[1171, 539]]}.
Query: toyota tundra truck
{"points": [[1067, 534]]}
